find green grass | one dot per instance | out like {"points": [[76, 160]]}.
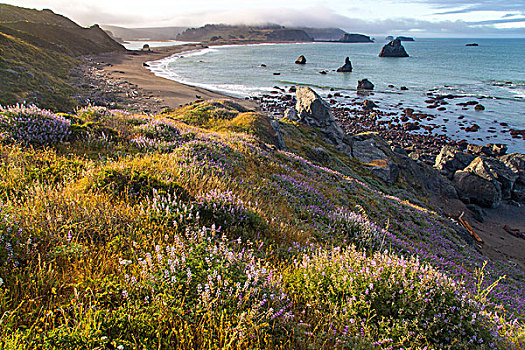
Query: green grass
{"points": [[190, 230]]}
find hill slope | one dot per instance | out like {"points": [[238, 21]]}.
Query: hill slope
{"points": [[219, 33], [191, 229], [38, 52]]}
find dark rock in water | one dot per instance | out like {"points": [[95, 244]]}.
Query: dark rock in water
{"points": [[276, 73], [450, 160], [146, 47], [323, 72], [292, 89], [473, 44], [404, 88], [355, 38], [479, 107], [365, 84], [301, 60], [262, 65], [144, 64], [393, 49], [368, 105], [347, 67]]}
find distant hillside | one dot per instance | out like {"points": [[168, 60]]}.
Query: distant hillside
{"points": [[324, 34], [37, 53], [156, 33], [220, 33], [355, 38]]}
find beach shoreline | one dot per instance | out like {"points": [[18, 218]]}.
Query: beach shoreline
{"points": [[124, 80]]}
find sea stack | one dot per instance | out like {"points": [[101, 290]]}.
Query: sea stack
{"points": [[347, 67], [393, 49], [301, 60], [365, 84]]}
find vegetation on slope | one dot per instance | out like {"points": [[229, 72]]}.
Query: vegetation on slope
{"points": [[36, 55], [192, 230], [228, 33]]}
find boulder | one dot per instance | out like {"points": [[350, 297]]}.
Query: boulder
{"points": [[368, 148], [393, 49], [314, 111], [492, 169], [450, 160], [365, 84], [475, 189], [301, 60], [347, 67], [516, 163], [368, 105], [291, 113]]}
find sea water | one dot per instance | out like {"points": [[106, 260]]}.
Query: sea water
{"points": [[492, 73]]}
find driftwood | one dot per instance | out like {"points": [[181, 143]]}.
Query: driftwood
{"points": [[469, 228]]}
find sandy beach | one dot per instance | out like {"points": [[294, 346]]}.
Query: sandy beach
{"points": [[157, 93]]}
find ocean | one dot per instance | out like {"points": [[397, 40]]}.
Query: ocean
{"points": [[492, 73]]}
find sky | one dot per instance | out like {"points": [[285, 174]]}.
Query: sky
{"points": [[418, 18]]}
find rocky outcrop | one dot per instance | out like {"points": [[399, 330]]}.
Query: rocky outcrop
{"points": [[301, 60], [314, 111], [291, 113], [516, 163], [475, 189], [369, 148], [492, 169], [347, 67], [365, 84], [393, 49], [450, 160]]}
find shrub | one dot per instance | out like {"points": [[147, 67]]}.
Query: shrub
{"points": [[389, 301], [133, 184], [30, 125]]}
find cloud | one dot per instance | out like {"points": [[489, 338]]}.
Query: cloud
{"points": [[499, 21], [467, 6], [320, 16]]}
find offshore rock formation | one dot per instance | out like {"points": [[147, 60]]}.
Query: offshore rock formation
{"points": [[393, 49], [355, 38], [301, 60], [347, 67]]}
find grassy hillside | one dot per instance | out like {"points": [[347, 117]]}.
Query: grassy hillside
{"points": [[37, 53], [35, 75], [192, 230]]}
